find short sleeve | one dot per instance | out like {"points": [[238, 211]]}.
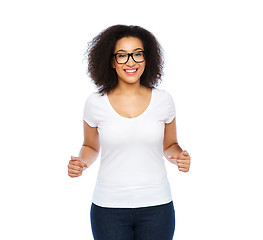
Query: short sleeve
{"points": [[170, 108], [88, 114]]}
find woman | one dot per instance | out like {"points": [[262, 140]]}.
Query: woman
{"points": [[134, 124]]}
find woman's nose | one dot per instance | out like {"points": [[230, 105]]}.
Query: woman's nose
{"points": [[130, 62]]}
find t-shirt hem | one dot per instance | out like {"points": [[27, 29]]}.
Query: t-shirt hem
{"points": [[150, 204], [91, 124], [170, 119]]}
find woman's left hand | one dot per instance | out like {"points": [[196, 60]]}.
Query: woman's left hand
{"points": [[183, 161]]}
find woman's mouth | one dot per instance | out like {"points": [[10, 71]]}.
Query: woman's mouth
{"points": [[130, 71]]}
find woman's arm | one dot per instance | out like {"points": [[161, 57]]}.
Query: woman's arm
{"points": [[171, 149], [91, 145], [170, 143], [88, 153]]}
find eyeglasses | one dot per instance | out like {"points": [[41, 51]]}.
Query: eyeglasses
{"points": [[123, 58]]}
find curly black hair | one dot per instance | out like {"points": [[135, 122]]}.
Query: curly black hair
{"points": [[100, 52]]}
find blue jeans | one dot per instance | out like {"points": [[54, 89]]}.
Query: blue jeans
{"points": [[145, 223]]}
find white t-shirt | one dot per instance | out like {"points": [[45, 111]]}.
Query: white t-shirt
{"points": [[132, 171]]}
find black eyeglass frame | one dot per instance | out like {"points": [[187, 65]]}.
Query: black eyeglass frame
{"points": [[130, 54]]}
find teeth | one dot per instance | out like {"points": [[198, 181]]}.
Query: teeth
{"points": [[130, 71]]}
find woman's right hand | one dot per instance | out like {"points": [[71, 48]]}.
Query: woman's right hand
{"points": [[75, 167]]}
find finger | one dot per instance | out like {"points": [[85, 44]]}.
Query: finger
{"points": [[79, 163], [185, 153], [74, 167], [75, 175], [75, 163], [184, 156], [183, 169], [75, 171], [82, 163], [183, 159], [173, 156], [183, 164], [179, 165], [187, 161]]}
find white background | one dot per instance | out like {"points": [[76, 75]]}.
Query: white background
{"points": [[213, 53]]}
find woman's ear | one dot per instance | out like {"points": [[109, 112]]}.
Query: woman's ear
{"points": [[113, 63]]}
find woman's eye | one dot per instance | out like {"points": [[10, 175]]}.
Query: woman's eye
{"points": [[122, 55], [138, 54]]}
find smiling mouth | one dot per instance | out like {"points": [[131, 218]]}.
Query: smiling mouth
{"points": [[130, 70]]}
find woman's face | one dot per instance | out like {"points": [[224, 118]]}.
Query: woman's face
{"points": [[131, 71]]}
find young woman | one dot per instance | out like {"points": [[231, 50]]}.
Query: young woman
{"points": [[134, 124]]}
